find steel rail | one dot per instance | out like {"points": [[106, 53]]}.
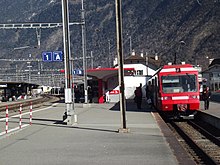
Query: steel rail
{"points": [[197, 149], [206, 133]]}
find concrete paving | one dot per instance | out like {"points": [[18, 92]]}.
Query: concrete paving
{"points": [[94, 140]]}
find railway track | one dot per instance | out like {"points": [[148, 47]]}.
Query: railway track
{"points": [[36, 102], [13, 115], [200, 140]]}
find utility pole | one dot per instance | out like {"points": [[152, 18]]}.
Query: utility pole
{"points": [[39, 71], [130, 45], [84, 53], [109, 53], [68, 87], [38, 33], [29, 71], [91, 56], [147, 62], [16, 67], [120, 64]]}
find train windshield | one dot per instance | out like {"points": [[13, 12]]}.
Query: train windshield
{"points": [[179, 83]]}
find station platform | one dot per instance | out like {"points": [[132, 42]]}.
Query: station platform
{"points": [[214, 109], [210, 116], [93, 140], [214, 106]]}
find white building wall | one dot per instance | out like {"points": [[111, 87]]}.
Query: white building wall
{"points": [[131, 82], [213, 78]]}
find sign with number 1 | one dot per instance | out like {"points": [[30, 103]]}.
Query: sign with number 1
{"points": [[47, 56], [55, 56]]}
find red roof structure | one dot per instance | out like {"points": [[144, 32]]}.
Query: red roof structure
{"points": [[105, 73]]}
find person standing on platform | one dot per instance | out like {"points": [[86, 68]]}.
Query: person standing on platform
{"points": [[147, 91], [149, 94], [206, 94], [138, 96]]}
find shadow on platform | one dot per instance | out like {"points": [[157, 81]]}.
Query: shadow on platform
{"points": [[61, 124]]}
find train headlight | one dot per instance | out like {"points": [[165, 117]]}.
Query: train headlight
{"points": [[166, 98], [194, 97]]}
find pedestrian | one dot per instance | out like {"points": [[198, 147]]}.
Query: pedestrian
{"points": [[90, 94], [147, 91], [206, 94], [77, 95], [107, 99], [149, 94], [138, 96]]}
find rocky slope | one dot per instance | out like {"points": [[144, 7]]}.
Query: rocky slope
{"points": [[153, 27]]}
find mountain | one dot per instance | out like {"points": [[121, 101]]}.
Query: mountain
{"points": [[189, 29]]}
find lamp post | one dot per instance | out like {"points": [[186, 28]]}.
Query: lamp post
{"points": [[84, 53], [178, 50], [68, 115]]}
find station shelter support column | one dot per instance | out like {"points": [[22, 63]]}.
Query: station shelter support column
{"points": [[100, 91]]}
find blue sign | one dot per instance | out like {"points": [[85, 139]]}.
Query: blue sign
{"points": [[47, 56], [77, 72], [58, 56], [55, 56]]}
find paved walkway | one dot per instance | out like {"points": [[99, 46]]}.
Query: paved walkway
{"points": [[214, 108], [94, 140]]}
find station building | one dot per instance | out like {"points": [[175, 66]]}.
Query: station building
{"points": [[137, 70], [10, 91], [212, 75], [102, 82]]}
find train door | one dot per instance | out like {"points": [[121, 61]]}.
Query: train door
{"points": [[156, 91]]}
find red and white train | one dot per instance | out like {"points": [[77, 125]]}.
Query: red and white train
{"points": [[174, 89]]}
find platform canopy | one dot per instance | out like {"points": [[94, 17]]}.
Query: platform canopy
{"points": [[104, 73]]}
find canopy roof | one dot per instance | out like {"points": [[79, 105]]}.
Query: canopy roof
{"points": [[102, 73]]}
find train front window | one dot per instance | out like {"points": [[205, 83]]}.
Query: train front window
{"points": [[179, 83]]}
